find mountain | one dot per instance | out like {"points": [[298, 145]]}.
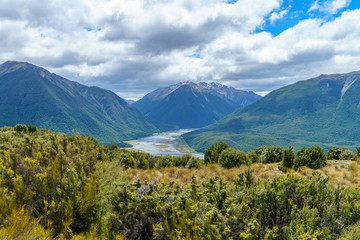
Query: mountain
{"points": [[129, 101], [323, 110], [192, 105], [32, 95]]}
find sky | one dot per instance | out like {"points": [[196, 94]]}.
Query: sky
{"points": [[133, 47]]}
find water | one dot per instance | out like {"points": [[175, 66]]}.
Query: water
{"points": [[165, 143]]}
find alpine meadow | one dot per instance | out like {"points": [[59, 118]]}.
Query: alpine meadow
{"points": [[178, 119]]}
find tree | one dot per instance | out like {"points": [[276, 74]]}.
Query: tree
{"points": [[233, 158], [272, 154], [212, 154], [31, 128], [289, 157], [20, 128], [313, 157]]}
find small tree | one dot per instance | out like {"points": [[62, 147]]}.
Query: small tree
{"points": [[212, 154], [348, 155], [272, 154], [334, 153], [32, 129], [301, 158], [313, 157], [127, 161], [317, 157], [358, 151], [289, 157], [20, 128], [232, 158]]}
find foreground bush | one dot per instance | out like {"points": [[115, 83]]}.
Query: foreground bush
{"points": [[212, 154], [313, 157], [232, 158]]}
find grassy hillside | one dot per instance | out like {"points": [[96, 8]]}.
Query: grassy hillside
{"points": [[32, 95], [323, 110]]}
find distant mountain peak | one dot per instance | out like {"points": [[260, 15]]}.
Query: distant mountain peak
{"points": [[190, 105], [12, 66]]}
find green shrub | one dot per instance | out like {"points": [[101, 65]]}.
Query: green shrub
{"points": [[288, 159], [20, 128], [348, 155], [126, 161], [272, 154], [233, 158], [313, 157], [212, 154], [358, 151], [334, 153], [165, 161], [254, 155], [32, 129]]}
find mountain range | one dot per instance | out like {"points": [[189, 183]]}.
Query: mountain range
{"points": [[192, 105], [321, 111], [32, 95]]}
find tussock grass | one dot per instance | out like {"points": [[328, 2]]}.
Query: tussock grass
{"points": [[343, 173]]}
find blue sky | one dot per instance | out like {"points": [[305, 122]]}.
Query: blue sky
{"points": [[133, 47], [296, 11]]}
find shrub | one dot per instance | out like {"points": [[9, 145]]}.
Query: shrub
{"points": [[20, 128], [254, 155], [127, 161], [348, 155], [313, 157], [165, 161], [212, 154], [232, 158], [358, 151], [193, 163], [32, 129], [334, 153], [288, 159], [272, 154]]}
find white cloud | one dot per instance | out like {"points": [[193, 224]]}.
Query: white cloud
{"points": [[278, 15], [144, 44], [332, 6]]}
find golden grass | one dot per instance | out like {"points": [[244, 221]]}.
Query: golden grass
{"points": [[343, 173]]}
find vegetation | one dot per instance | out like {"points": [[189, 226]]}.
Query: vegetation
{"points": [[295, 115], [32, 95], [54, 186]]}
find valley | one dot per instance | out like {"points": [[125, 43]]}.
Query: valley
{"points": [[165, 143]]}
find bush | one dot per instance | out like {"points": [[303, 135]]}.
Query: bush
{"points": [[212, 154], [254, 155], [20, 128], [313, 157], [32, 129], [127, 161], [288, 159], [348, 155], [232, 158], [334, 153], [193, 163], [358, 151], [272, 154], [165, 161]]}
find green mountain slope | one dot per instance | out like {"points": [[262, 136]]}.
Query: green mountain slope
{"points": [[192, 105], [324, 110], [32, 95]]}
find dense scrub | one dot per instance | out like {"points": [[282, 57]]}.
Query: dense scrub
{"points": [[59, 186]]}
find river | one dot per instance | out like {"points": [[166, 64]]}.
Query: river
{"points": [[165, 143]]}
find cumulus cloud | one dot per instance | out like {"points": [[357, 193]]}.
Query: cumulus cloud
{"points": [[135, 46], [278, 15], [332, 6]]}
